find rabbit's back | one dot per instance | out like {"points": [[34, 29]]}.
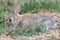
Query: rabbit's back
{"points": [[38, 19]]}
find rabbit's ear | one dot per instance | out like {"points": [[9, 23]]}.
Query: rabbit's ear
{"points": [[16, 8]]}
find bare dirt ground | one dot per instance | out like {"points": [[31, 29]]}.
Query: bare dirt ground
{"points": [[52, 35]]}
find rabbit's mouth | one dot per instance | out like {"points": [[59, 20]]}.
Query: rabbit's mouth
{"points": [[8, 24]]}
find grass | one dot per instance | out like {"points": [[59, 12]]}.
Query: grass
{"points": [[29, 31], [31, 6], [34, 5]]}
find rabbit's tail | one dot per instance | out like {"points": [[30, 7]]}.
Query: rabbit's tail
{"points": [[50, 23]]}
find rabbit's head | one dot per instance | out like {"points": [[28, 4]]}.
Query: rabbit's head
{"points": [[12, 18]]}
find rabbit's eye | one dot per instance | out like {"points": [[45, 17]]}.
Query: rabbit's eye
{"points": [[10, 20]]}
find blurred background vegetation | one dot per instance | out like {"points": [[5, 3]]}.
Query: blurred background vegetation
{"points": [[6, 6]]}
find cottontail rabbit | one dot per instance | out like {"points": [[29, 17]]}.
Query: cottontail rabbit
{"points": [[29, 19]]}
